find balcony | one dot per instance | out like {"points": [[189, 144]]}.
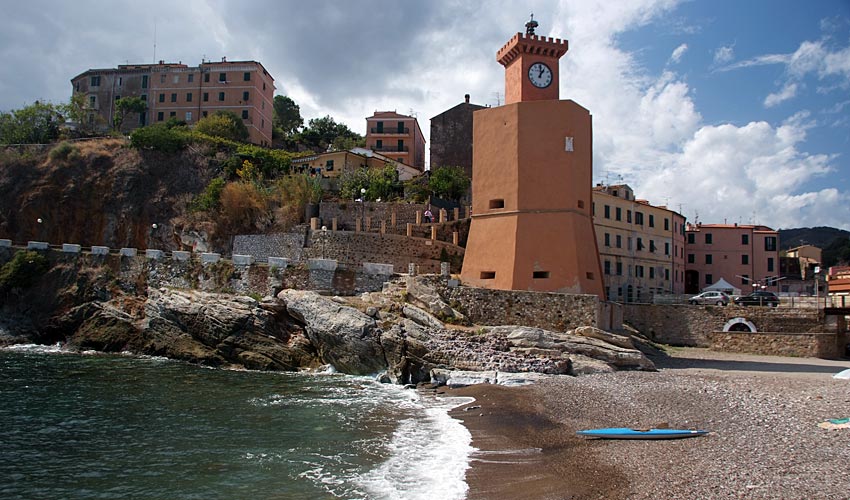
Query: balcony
{"points": [[390, 149], [389, 131]]}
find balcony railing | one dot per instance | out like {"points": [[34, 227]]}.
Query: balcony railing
{"points": [[376, 130], [391, 149]]}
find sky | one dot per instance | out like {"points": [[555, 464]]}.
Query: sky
{"points": [[724, 111]]}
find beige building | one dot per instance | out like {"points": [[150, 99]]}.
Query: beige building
{"points": [[332, 164], [396, 136], [641, 246], [183, 92]]}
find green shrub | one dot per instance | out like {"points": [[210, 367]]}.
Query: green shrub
{"points": [[23, 270], [64, 151], [210, 199], [223, 124], [159, 138]]}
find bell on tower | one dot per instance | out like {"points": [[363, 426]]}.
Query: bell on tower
{"points": [[530, 25]]}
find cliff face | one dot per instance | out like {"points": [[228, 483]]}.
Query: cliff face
{"points": [[107, 194]]}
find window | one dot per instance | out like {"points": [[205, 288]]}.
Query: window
{"points": [[120, 81], [708, 238], [619, 241], [640, 244], [188, 97], [497, 204], [144, 81], [619, 268], [607, 267], [745, 259], [400, 145], [639, 218], [540, 275], [770, 264], [206, 96], [607, 211], [709, 279], [329, 165], [651, 220], [172, 114], [162, 78], [607, 240], [593, 208], [691, 238], [188, 116], [745, 279], [221, 96], [691, 258], [618, 214], [173, 97], [206, 77], [190, 77], [666, 224], [245, 95], [379, 144], [161, 97], [745, 239], [143, 119], [666, 275], [92, 101], [222, 77], [651, 273], [770, 243], [629, 243], [94, 81], [246, 76], [145, 97], [708, 258], [204, 114], [488, 275], [639, 271], [652, 246], [244, 114], [160, 116], [176, 79], [400, 128], [666, 248], [629, 216]]}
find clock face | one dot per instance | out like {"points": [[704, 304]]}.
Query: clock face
{"points": [[540, 75]]}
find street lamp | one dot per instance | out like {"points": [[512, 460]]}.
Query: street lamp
{"points": [[324, 235]]}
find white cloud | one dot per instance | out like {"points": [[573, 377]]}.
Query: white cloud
{"points": [[787, 92], [724, 54], [678, 53]]}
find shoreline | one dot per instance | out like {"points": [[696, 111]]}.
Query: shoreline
{"points": [[761, 411]]}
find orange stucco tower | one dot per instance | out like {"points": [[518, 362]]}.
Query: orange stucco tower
{"points": [[532, 225]]}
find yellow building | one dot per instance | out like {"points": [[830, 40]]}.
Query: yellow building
{"points": [[334, 163], [641, 246]]}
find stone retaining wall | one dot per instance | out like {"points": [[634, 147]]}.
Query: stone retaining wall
{"points": [[815, 345], [263, 246], [550, 311]]}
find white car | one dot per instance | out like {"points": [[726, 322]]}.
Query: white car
{"points": [[712, 298]]}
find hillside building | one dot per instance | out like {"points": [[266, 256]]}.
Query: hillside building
{"points": [[333, 163], [188, 93], [747, 256], [396, 136], [641, 246]]}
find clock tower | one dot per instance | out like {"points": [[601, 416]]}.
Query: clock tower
{"points": [[531, 65], [532, 219]]}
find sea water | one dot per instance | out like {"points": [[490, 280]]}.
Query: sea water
{"points": [[109, 426]]}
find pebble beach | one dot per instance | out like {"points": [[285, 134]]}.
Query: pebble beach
{"points": [[762, 413]]}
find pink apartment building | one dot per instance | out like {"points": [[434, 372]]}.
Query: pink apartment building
{"points": [[396, 136], [747, 256], [183, 92]]}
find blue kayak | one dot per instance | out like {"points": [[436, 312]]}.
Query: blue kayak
{"points": [[626, 433]]}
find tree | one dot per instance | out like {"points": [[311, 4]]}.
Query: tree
{"points": [[126, 105], [450, 183], [322, 132], [224, 124], [38, 123], [837, 252], [287, 115], [77, 112]]}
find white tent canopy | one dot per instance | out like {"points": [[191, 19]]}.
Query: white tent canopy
{"points": [[723, 286]]}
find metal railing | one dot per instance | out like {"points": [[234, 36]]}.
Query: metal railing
{"points": [[378, 130]]}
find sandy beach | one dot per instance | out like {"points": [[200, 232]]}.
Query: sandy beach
{"points": [[762, 412]]}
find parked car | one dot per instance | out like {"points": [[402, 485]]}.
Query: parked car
{"points": [[759, 298], [713, 298]]}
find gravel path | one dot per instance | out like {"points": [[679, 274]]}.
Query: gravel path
{"points": [[762, 413]]}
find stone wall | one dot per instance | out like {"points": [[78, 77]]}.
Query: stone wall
{"points": [[815, 345], [550, 311], [263, 246], [692, 325]]}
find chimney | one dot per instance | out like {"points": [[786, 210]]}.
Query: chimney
{"points": [[224, 59], [466, 98]]}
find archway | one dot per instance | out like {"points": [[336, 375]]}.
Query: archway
{"points": [[739, 325]]}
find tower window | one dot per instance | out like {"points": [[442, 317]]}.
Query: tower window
{"points": [[497, 204], [488, 275], [540, 275]]}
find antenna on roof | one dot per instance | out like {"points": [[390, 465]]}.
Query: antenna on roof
{"points": [[154, 40], [498, 97]]}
